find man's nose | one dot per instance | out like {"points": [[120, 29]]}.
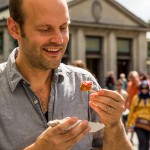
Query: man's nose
{"points": [[57, 37]]}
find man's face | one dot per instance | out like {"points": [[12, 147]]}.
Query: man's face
{"points": [[144, 89], [46, 33], [119, 86]]}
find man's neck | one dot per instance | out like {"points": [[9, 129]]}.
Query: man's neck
{"points": [[35, 76]]}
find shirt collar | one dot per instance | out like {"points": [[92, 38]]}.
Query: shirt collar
{"points": [[58, 75], [14, 76], [12, 72]]}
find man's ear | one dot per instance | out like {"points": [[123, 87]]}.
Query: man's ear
{"points": [[13, 28]]}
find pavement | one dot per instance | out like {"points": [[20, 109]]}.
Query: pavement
{"points": [[134, 140]]}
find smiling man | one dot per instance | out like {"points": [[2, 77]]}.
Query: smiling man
{"points": [[35, 87]]}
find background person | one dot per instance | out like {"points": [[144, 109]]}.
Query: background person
{"points": [[140, 107], [36, 87], [79, 63], [124, 81], [132, 86], [110, 81], [124, 94], [120, 90]]}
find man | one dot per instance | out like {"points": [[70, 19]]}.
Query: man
{"points": [[132, 87], [124, 94], [36, 88]]}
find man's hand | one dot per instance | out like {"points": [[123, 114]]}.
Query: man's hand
{"points": [[109, 105], [57, 138]]}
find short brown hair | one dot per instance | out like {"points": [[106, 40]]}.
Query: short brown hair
{"points": [[79, 63], [119, 82], [16, 12]]}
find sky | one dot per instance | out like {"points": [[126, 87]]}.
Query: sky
{"points": [[140, 8]]}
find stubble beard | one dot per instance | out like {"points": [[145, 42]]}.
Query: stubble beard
{"points": [[39, 62]]}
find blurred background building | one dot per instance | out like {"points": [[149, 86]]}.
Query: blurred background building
{"points": [[103, 33]]}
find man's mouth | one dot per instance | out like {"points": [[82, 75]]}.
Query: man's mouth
{"points": [[51, 49]]}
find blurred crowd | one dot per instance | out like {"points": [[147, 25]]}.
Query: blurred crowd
{"points": [[135, 89]]}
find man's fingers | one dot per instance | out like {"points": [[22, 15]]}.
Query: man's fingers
{"points": [[77, 130], [61, 138], [76, 134], [111, 94], [108, 105], [106, 108], [79, 136], [62, 127], [106, 118], [71, 136], [108, 101]]}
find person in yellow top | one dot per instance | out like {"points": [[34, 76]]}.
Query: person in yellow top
{"points": [[140, 107]]}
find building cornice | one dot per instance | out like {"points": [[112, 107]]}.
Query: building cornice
{"points": [[75, 2], [108, 26], [2, 8]]}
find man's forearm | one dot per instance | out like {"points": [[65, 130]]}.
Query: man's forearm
{"points": [[115, 138]]}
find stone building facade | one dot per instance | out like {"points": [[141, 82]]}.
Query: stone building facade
{"points": [[104, 34]]}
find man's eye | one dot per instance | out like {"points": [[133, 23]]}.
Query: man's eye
{"points": [[44, 30], [63, 28]]}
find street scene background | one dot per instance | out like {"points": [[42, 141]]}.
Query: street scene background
{"points": [[111, 38]]}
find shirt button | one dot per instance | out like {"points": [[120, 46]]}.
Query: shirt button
{"points": [[35, 102], [24, 82]]}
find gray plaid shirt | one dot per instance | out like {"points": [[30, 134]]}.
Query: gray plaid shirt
{"points": [[21, 117]]}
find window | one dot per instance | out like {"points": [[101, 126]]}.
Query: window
{"points": [[93, 45], [1, 42], [123, 46], [94, 55]]}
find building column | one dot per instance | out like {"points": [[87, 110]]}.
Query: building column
{"points": [[141, 52], [73, 49], [105, 58], [111, 58], [81, 45]]}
